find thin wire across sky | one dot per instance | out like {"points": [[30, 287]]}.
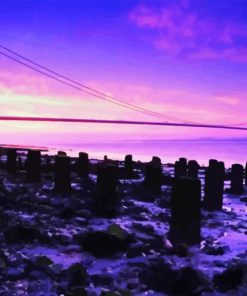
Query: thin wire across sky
{"points": [[84, 88]]}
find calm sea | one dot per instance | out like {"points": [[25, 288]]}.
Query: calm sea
{"points": [[228, 151]]}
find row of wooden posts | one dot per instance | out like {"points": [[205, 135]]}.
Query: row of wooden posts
{"points": [[186, 201]]}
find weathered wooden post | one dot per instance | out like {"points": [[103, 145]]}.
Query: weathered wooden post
{"points": [[128, 166], [61, 153], [193, 168], [106, 199], [245, 174], [62, 174], [82, 165], [1, 163], [237, 175], [214, 187], [33, 166], [153, 176], [185, 222], [180, 168], [11, 160], [212, 162]]}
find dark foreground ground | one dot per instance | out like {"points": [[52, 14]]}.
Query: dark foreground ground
{"points": [[55, 245]]}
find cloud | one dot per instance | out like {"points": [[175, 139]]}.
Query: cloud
{"points": [[180, 30], [229, 100]]}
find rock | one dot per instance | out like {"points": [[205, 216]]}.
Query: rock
{"points": [[160, 277], [148, 229], [103, 244], [2, 263], [214, 248], [67, 213], [132, 284], [76, 291], [121, 292], [19, 233], [189, 282], [56, 268], [37, 274], [229, 279], [117, 231], [77, 275], [84, 213], [15, 273], [101, 280], [43, 261]]}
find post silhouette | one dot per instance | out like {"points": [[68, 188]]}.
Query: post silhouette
{"points": [[237, 175], [106, 197], [33, 166], [82, 165], [61, 153], [193, 168], [245, 174], [153, 176], [214, 186], [62, 174], [128, 166], [185, 222], [180, 168], [11, 160]]}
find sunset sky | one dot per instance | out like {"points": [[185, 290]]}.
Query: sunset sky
{"points": [[186, 59]]}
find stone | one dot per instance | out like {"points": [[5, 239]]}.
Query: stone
{"points": [[77, 275], [229, 279], [20, 233], [103, 244]]}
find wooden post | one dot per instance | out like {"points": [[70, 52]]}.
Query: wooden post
{"points": [[82, 165], [237, 175], [128, 166], [214, 187], [11, 160], [106, 199], [180, 168], [61, 153], [193, 168], [185, 222], [62, 174], [212, 162], [153, 176], [245, 174], [33, 165]]}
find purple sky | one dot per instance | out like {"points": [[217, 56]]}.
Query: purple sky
{"points": [[186, 59]]}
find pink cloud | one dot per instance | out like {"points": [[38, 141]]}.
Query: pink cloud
{"points": [[229, 100], [176, 30]]}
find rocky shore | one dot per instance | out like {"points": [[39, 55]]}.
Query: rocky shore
{"points": [[60, 243]]}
